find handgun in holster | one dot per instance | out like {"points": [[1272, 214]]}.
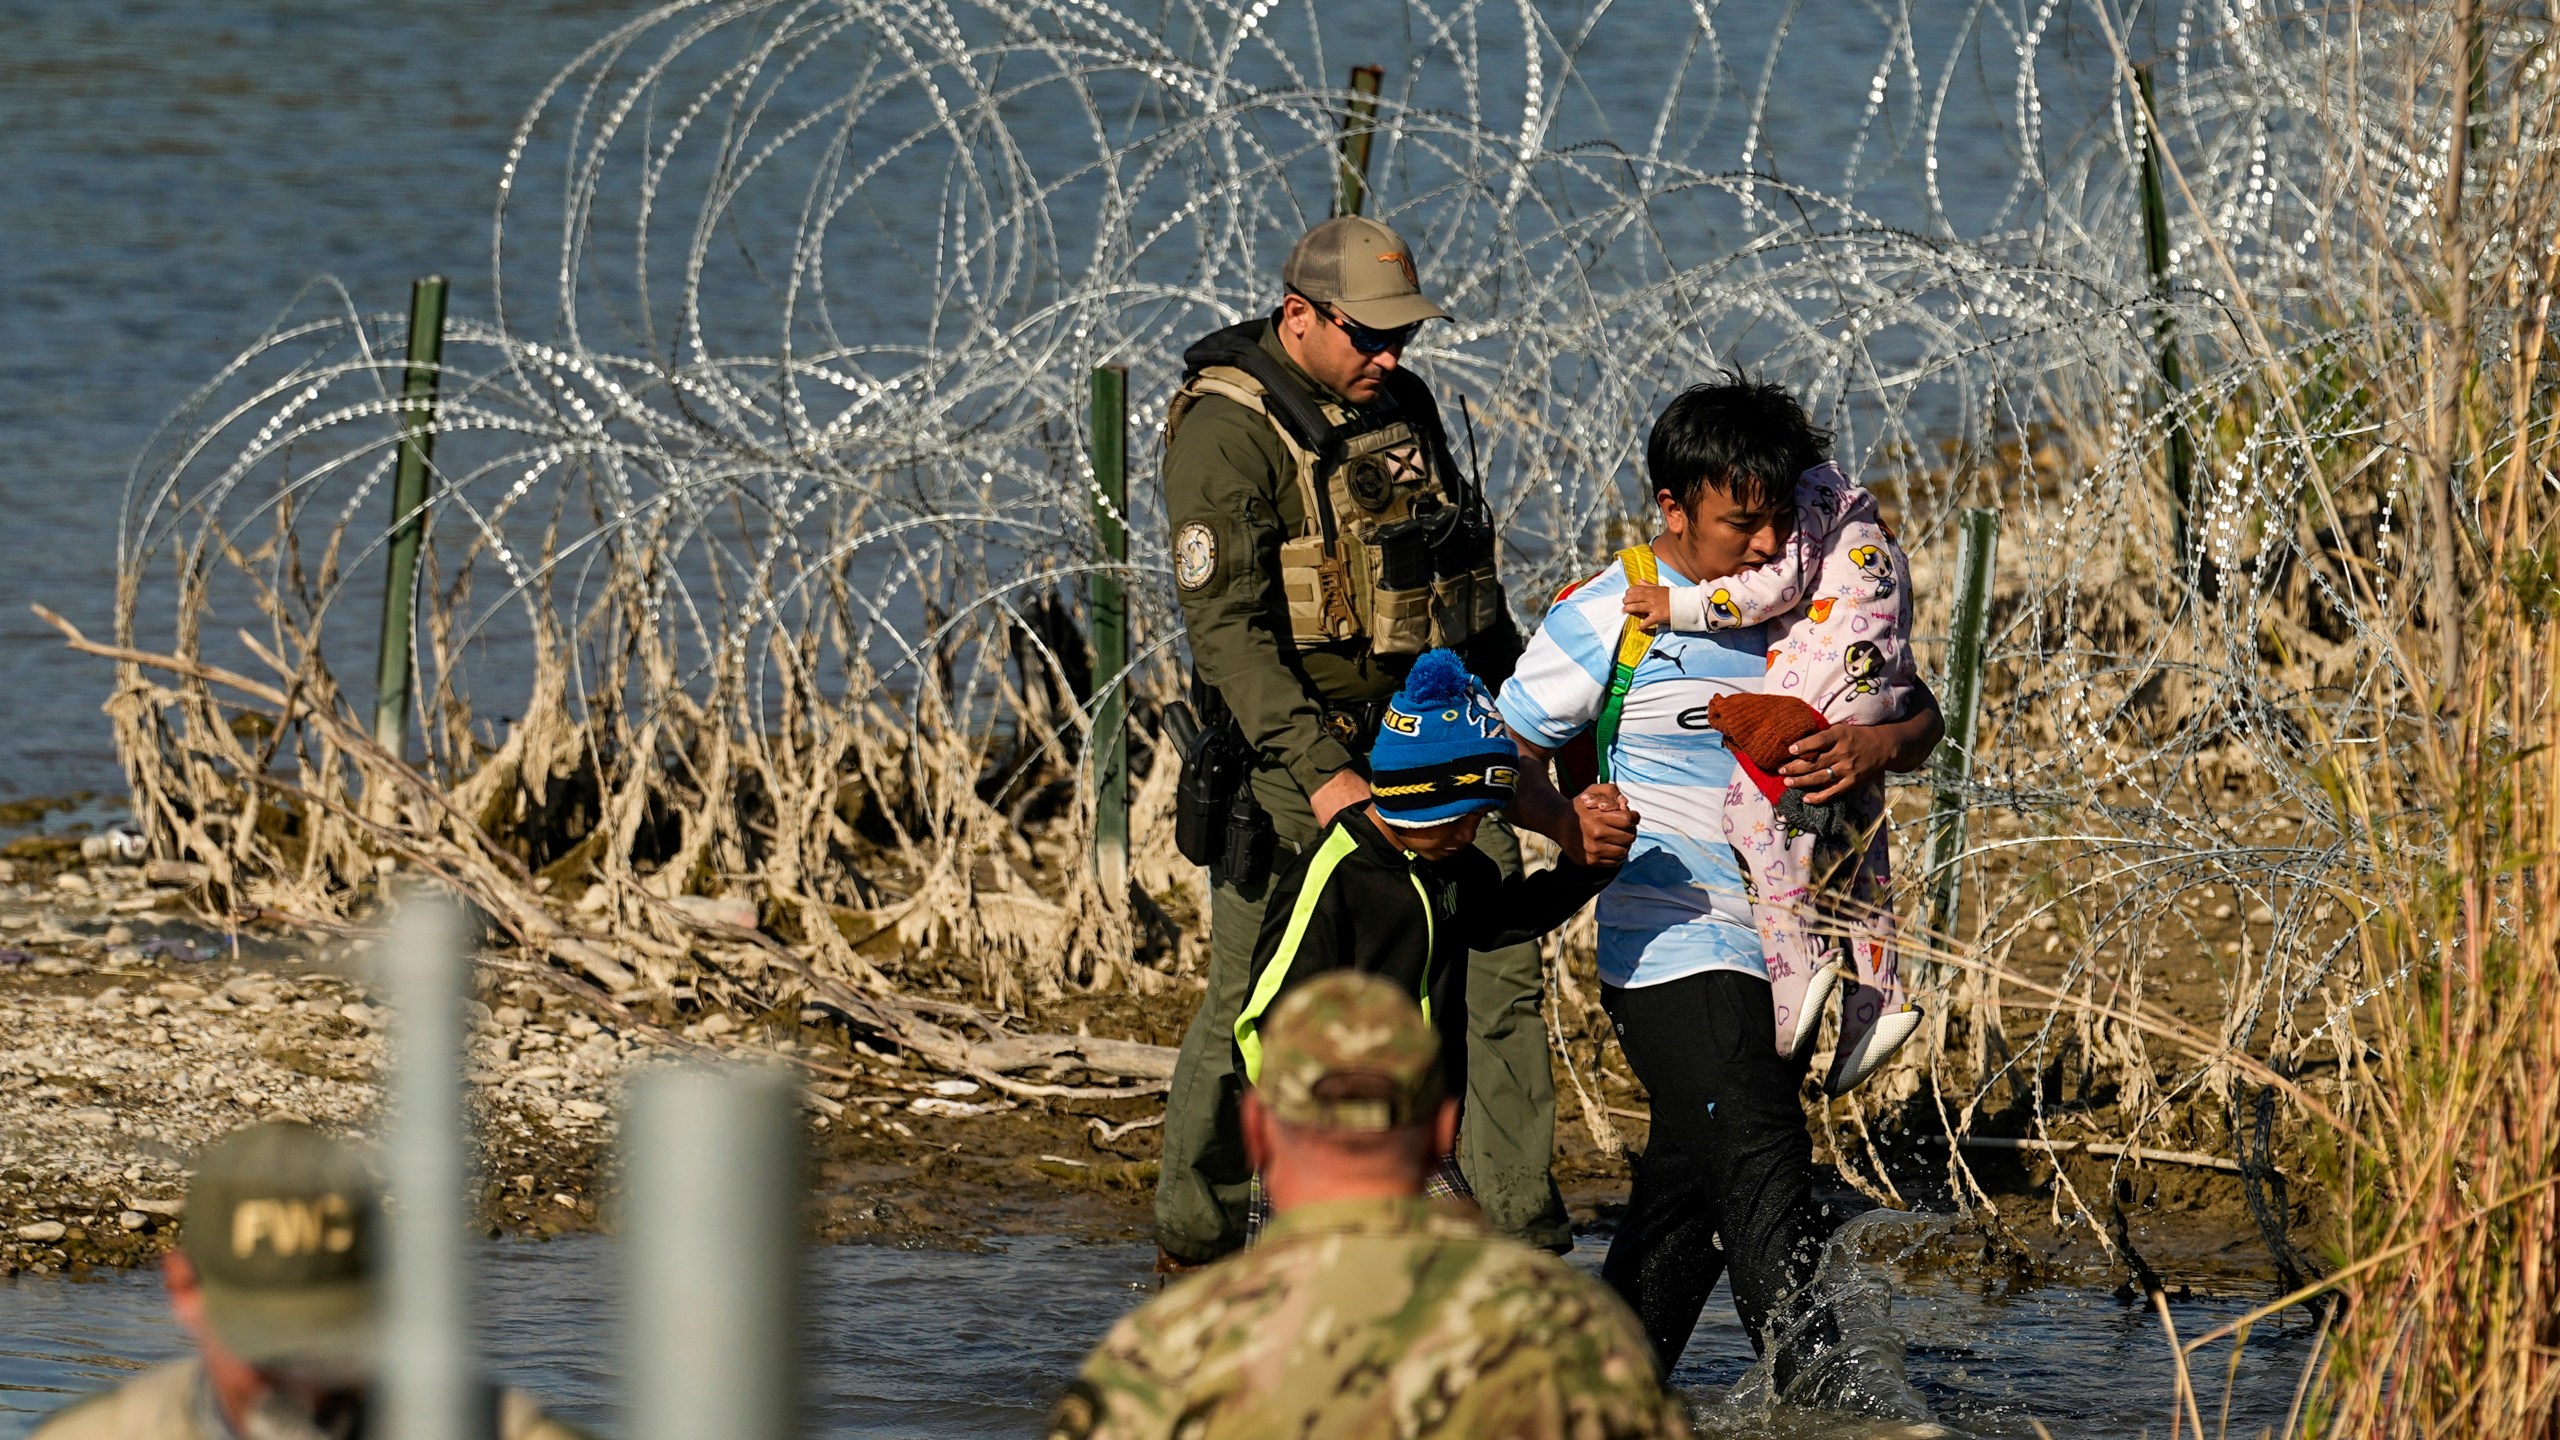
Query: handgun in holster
{"points": [[1216, 821]]}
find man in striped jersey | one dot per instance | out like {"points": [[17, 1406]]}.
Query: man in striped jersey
{"points": [[1726, 1177]]}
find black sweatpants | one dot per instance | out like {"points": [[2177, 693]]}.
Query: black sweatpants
{"points": [[1726, 1179]]}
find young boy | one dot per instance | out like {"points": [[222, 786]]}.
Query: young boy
{"points": [[1839, 653], [1394, 887]]}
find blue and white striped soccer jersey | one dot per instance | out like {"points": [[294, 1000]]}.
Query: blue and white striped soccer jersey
{"points": [[1678, 908]]}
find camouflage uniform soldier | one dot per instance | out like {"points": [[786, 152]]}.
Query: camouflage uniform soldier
{"points": [[276, 1281], [1323, 537], [1365, 1310]]}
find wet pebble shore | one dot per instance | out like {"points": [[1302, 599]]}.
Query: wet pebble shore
{"points": [[131, 1035], [129, 1038]]}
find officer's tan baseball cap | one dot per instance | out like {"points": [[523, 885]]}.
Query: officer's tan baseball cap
{"points": [[282, 1225], [1363, 269], [1350, 1051]]}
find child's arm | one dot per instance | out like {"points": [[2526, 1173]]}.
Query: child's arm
{"points": [[1746, 597], [1662, 607], [1499, 910]]}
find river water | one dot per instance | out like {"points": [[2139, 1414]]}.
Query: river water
{"points": [[926, 1342]]}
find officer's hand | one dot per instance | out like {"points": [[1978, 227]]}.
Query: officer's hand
{"points": [[1604, 827], [1340, 793]]}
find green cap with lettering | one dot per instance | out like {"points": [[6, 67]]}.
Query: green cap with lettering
{"points": [[282, 1226], [1349, 1051], [1363, 269]]}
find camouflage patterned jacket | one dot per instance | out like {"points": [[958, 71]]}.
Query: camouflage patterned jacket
{"points": [[1375, 1318]]}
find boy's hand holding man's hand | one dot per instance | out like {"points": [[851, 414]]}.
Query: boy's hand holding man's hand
{"points": [[1605, 824]]}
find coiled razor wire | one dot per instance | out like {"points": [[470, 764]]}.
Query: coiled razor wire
{"points": [[779, 408]]}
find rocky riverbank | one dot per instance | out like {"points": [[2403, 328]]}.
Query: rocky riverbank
{"points": [[130, 1035]]}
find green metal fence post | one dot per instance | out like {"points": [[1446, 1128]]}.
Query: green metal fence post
{"points": [[2164, 333], [408, 514], [1107, 597], [1359, 125], [1977, 544]]}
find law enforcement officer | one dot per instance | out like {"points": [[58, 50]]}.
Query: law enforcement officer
{"points": [[275, 1281], [1323, 536], [1365, 1309]]}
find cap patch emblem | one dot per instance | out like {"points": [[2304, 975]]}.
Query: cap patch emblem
{"points": [[1195, 556], [1401, 723], [293, 1226], [1404, 262]]}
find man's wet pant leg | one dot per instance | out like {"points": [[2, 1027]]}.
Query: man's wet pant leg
{"points": [[1507, 1141], [1204, 1184], [1726, 1179]]}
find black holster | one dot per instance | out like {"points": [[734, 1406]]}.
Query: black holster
{"points": [[1216, 821]]}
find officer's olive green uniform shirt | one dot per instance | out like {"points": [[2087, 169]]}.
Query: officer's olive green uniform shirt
{"points": [[174, 1403], [1375, 1318], [1227, 470]]}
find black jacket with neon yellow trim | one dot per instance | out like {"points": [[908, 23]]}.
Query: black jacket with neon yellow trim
{"points": [[1357, 900]]}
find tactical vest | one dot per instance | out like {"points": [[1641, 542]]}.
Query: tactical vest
{"points": [[1396, 548]]}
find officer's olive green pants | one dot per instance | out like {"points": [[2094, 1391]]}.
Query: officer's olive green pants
{"points": [[1504, 1143]]}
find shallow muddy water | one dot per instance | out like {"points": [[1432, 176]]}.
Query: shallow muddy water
{"points": [[977, 1343]]}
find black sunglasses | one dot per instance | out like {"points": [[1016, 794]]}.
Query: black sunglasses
{"points": [[1363, 339]]}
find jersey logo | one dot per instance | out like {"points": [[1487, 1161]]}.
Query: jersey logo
{"points": [[1195, 556]]}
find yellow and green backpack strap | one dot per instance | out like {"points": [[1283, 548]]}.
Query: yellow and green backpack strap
{"points": [[1634, 643]]}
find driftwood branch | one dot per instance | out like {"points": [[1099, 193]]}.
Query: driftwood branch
{"points": [[493, 878]]}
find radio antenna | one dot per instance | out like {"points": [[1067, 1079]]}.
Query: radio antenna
{"points": [[1475, 463]]}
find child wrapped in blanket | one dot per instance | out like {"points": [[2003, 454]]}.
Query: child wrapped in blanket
{"points": [[1820, 875]]}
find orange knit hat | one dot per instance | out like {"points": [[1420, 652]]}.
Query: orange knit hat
{"points": [[1759, 728]]}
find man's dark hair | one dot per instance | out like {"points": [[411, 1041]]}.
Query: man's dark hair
{"points": [[1746, 438]]}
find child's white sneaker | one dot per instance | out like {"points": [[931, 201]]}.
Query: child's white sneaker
{"points": [[1808, 1018], [1863, 1053]]}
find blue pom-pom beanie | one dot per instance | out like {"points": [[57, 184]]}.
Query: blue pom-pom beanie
{"points": [[1441, 751]]}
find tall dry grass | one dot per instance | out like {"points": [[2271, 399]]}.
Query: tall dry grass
{"points": [[2422, 322], [2449, 1181]]}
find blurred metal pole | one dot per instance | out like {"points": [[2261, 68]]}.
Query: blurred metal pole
{"points": [[431, 1385], [1107, 597], [408, 514], [711, 1230], [1977, 545], [1359, 127]]}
